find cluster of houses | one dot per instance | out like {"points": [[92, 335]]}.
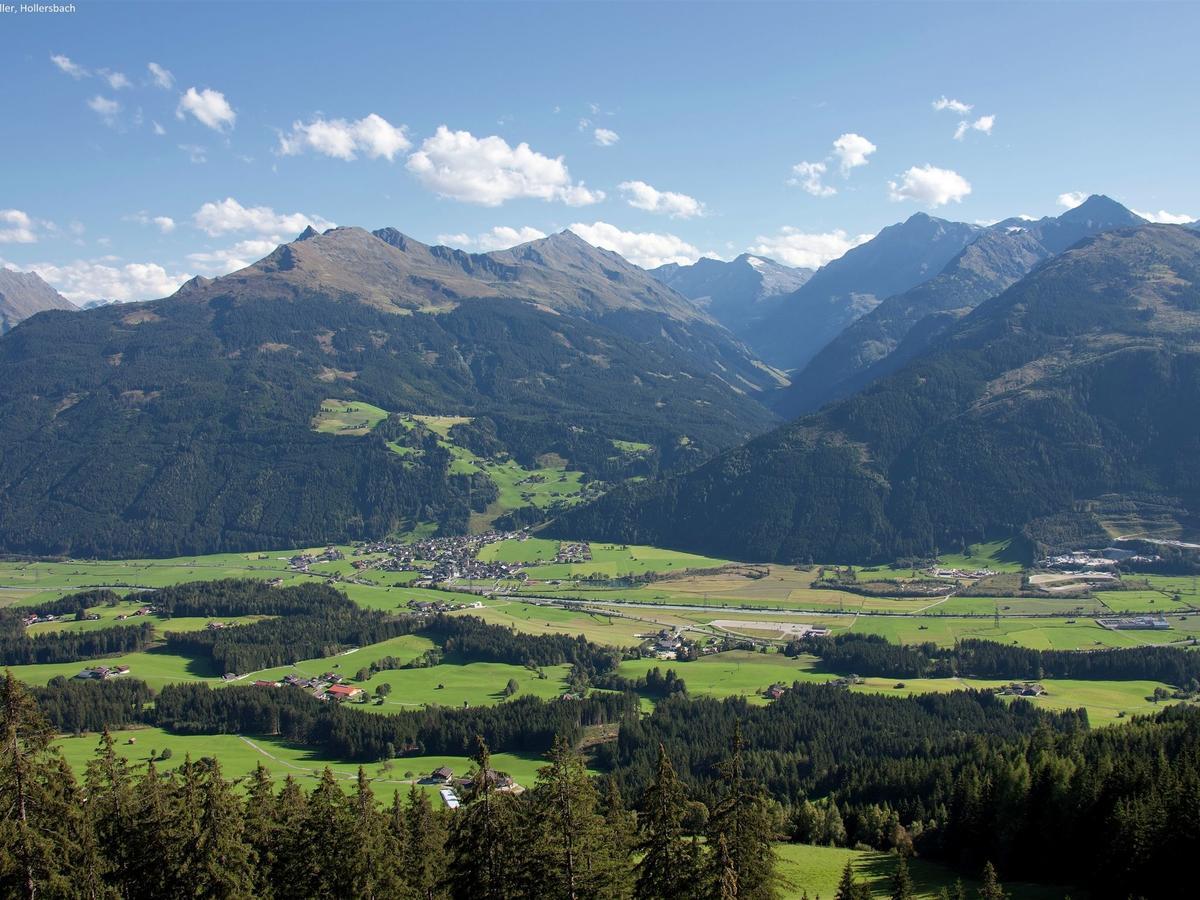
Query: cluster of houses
{"points": [[1134, 623], [573, 552], [446, 559], [301, 561], [940, 572], [103, 673], [1022, 689], [449, 793], [329, 686], [429, 607], [140, 611]]}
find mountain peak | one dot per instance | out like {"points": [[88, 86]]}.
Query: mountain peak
{"points": [[308, 232], [24, 293], [1100, 208]]}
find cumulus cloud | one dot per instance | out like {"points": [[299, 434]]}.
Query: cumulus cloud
{"points": [[499, 238], [1071, 199], [230, 259], [930, 186], [372, 135], [809, 177], [944, 102], [16, 227], [646, 249], [605, 137], [488, 171], [65, 64], [225, 216], [160, 76], [983, 123], [108, 279], [105, 108], [208, 107], [165, 224], [641, 195], [196, 153], [852, 151], [1162, 217], [810, 250]]}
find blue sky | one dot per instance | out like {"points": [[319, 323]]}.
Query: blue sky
{"points": [[664, 130]]}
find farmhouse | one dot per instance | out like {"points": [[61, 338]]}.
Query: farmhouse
{"points": [[1134, 623], [774, 692], [102, 673], [344, 691], [442, 774]]}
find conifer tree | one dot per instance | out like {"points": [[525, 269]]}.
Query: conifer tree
{"points": [[668, 867], [261, 827], [425, 848], [727, 886], [372, 857], [223, 861], [743, 818], [481, 841], [902, 883], [991, 888], [111, 807]]}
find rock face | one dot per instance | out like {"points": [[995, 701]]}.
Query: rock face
{"points": [[737, 293], [22, 294], [1066, 388], [185, 424], [898, 258], [885, 338]]}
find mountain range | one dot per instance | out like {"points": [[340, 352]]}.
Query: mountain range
{"points": [[1070, 390], [898, 258], [737, 293], [904, 324], [22, 294], [185, 424]]}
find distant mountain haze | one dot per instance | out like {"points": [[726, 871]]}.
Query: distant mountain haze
{"points": [[898, 258], [22, 294], [736, 293], [997, 258], [1062, 393]]}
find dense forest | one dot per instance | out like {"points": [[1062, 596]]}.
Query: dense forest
{"points": [[1012, 417]]}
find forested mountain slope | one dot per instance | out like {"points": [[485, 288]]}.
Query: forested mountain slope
{"points": [[998, 258], [1076, 382], [184, 425]]}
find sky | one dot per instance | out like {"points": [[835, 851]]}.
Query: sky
{"points": [[144, 143]]}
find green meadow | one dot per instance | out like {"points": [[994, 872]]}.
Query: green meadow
{"points": [[815, 871]]}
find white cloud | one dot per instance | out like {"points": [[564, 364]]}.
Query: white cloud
{"points": [[105, 108], [165, 224], [240, 255], [852, 151], [372, 135], [16, 227], [1071, 199], [116, 80], [983, 123], [85, 280], [488, 171], [605, 137], [159, 130], [810, 250], [944, 102], [1163, 217], [808, 176], [228, 215], [160, 76], [65, 65], [930, 186], [640, 195], [499, 238], [646, 249], [209, 107]]}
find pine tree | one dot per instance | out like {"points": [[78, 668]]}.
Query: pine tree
{"points": [[27, 851], [223, 861], [425, 848], [261, 828], [727, 885], [327, 814], [291, 868], [991, 888], [482, 842], [111, 808], [372, 860], [850, 888], [902, 883], [668, 867], [153, 853], [744, 819]]}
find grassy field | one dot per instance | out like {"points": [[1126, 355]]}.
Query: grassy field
{"points": [[347, 417], [240, 755], [745, 673], [816, 871]]}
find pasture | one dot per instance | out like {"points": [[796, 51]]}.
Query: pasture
{"points": [[347, 417]]}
